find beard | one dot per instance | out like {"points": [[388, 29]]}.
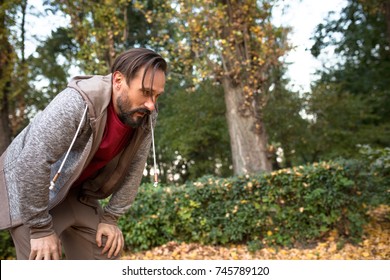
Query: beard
{"points": [[127, 116]]}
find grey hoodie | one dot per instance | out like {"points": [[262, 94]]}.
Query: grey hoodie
{"points": [[35, 155]]}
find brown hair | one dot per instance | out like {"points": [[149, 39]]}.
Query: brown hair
{"points": [[130, 62]]}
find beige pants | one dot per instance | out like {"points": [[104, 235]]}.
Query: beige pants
{"points": [[75, 223]]}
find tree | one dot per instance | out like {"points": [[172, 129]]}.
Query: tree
{"points": [[340, 121], [283, 113], [191, 136], [234, 43], [50, 66], [102, 29], [6, 63], [13, 70], [379, 6], [99, 28], [359, 81]]}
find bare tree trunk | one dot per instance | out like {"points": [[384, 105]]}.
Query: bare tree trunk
{"points": [[249, 149], [5, 130], [386, 6], [18, 110], [5, 79]]}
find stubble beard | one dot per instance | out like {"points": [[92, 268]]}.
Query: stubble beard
{"points": [[128, 116]]}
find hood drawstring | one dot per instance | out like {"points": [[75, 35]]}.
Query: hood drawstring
{"points": [[53, 181], [155, 184]]}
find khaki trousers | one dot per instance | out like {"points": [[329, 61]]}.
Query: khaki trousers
{"points": [[75, 223]]}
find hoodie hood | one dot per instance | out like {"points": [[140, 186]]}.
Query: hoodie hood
{"points": [[95, 86]]}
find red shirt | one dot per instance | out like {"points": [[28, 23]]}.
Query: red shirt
{"points": [[115, 138]]}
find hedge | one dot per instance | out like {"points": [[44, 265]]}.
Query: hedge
{"points": [[283, 208], [7, 250]]}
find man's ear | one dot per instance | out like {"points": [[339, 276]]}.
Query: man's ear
{"points": [[117, 79]]}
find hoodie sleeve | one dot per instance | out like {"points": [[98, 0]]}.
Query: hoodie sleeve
{"points": [[48, 138]]}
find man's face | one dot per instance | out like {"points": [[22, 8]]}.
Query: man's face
{"points": [[133, 102]]}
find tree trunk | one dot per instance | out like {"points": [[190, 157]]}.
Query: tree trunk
{"points": [[5, 54], [249, 149], [386, 6], [5, 131]]}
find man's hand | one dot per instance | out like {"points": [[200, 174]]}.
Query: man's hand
{"points": [[46, 248], [115, 241]]}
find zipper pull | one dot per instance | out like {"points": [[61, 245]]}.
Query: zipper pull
{"points": [[53, 182], [155, 184]]}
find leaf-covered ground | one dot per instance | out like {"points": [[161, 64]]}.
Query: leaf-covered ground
{"points": [[374, 246]]}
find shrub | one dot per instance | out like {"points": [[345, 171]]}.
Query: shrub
{"points": [[7, 251], [301, 204], [372, 171]]}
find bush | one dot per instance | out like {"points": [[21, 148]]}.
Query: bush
{"points": [[7, 250], [285, 207], [372, 171]]}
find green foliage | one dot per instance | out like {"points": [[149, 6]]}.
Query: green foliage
{"points": [[7, 251], [192, 138], [285, 126], [372, 172], [339, 122], [51, 65], [357, 86], [283, 208]]}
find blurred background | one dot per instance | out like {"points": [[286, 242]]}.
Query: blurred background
{"points": [[254, 86]]}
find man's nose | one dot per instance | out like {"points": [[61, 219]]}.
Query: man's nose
{"points": [[150, 104]]}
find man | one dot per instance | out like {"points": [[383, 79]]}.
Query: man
{"points": [[91, 142]]}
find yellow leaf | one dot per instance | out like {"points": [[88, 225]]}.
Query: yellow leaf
{"points": [[234, 255], [311, 256], [271, 250]]}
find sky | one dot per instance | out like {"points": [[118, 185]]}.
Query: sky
{"points": [[302, 15]]}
